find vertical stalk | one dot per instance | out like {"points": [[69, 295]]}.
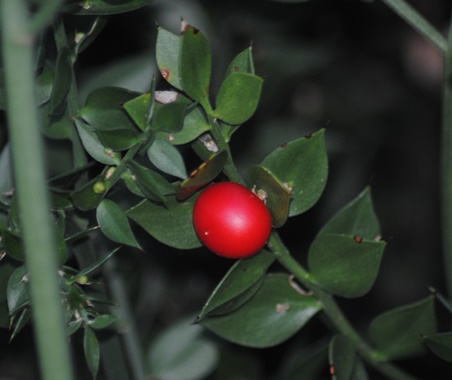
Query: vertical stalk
{"points": [[446, 165], [33, 200]]}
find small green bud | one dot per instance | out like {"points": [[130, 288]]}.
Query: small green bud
{"points": [[82, 280], [99, 187]]}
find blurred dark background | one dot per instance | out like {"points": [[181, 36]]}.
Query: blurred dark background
{"points": [[351, 66]]}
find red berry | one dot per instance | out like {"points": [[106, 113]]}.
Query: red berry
{"points": [[231, 220]]}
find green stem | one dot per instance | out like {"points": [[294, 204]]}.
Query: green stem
{"points": [[446, 166], [418, 22], [33, 199], [334, 313]]}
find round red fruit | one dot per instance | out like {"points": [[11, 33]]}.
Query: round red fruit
{"points": [[231, 220]]}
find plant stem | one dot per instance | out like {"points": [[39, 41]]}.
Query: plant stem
{"points": [[446, 166], [418, 22], [33, 199], [334, 313]]}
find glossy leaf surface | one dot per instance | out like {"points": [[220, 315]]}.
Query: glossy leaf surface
{"points": [[170, 224], [238, 98], [233, 289], [114, 223], [345, 256], [167, 56], [398, 333], [302, 164], [195, 62], [274, 314], [343, 265], [167, 158]]}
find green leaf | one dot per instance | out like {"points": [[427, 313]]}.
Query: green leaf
{"points": [[345, 265], [203, 175], [73, 327], [89, 196], [357, 219], [170, 224], [103, 321], [169, 117], [61, 82], [7, 267], [167, 158], [20, 321], [12, 244], [238, 98], [277, 196], [114, 223], [93, 145], [398, 333], [103, 7], [274, 314], [17, 290], [7, 177], [167, 56], [306, 364], [233, 290], [243, 63], [104, 111], [44, 85], [181, 353], [195, 62], [92, 354], [440, 345], [194, 125], [151, 183], [86, 31], [93, 267], [342, 357], [138, 109], [301, 164]]}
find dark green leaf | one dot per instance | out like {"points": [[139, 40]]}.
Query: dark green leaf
{"points": [[13, 245], [87, 30], [114, 223], [93, 267], [7, 177], [342, 357], [103, 7], [238, 98], [345, 265], [243, 63], [398, 333], [17, 290], [19, 321], [57, 126], [170, 224], [169, 116], [90, 195], [61, 82], [232, 291], [61, 246], [167, 56], [202, 176], [359, 371], [7, 267], [274, 314], [195, 62], [308, 363], [302, 165], [44, 85], [105, 113], [93, 145], [92, 354], [151, 183], [73, 327], [167, 158], [181, 353], [277, 196], [357, 219], [440, 345], [194, 125], [103, 321], [138, 109]]}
